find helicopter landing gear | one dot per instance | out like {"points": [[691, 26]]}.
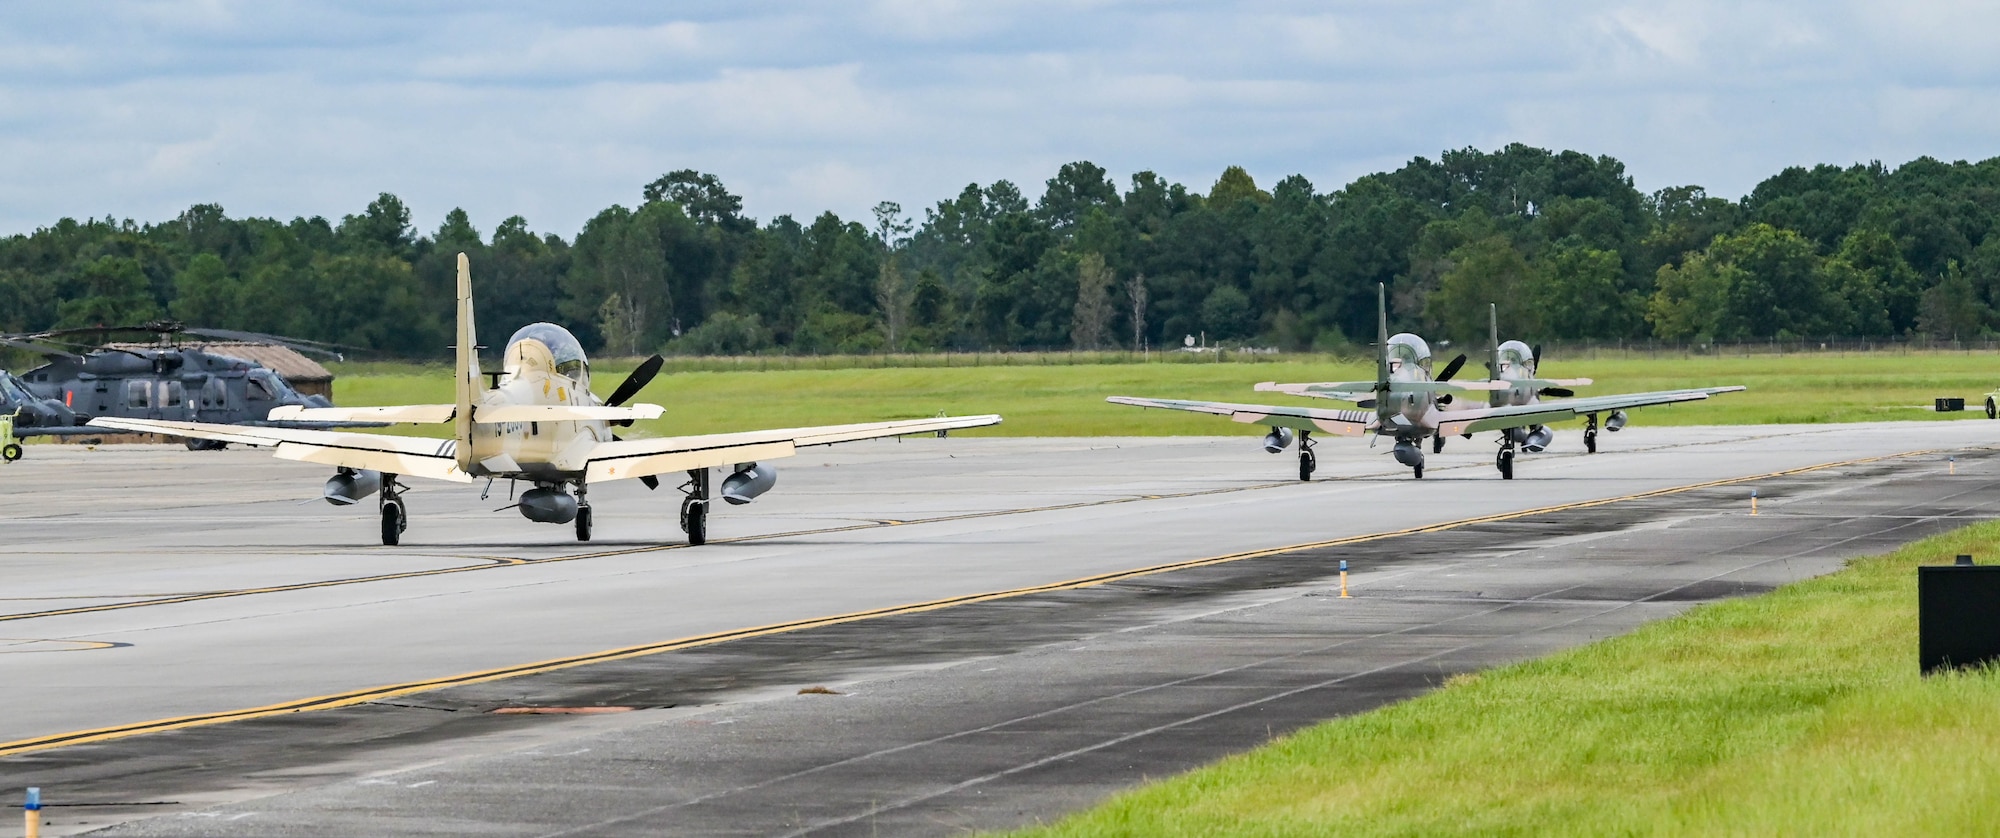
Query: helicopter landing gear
{"points": [[1307, 462], [394, 521], [694, 508], [1590, 432], [1504, 461], [582, 514]]}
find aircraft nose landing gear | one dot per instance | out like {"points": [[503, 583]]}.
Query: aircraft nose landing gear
{"points": [[694, 508], [582, 514]]}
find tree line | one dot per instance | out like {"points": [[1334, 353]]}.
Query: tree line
{"points": [[1563, 242]]}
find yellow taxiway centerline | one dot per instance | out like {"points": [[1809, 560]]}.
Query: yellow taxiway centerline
{"points": [[361, 696]]}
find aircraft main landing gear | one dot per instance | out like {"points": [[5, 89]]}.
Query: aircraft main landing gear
{"points": [[694, 509], [1437, 444], [1590, 433], [582, 514], [1307, 462], [394, 520], [1504, 461]]}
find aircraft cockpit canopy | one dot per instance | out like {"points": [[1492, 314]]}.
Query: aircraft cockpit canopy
{"points": [[563, 348], [12, 392], [1407, 348], [1515, 356]]}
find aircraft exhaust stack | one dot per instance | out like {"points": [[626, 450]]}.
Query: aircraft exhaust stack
{"points": [[1409, 454], [1278, 440], [350, 486], [749, 481], [1615, 421], [1538, 439], [548, 506]]}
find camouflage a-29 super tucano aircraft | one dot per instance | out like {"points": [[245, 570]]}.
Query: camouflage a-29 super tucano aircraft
{"points": [[1407, 405], [538, 423]]}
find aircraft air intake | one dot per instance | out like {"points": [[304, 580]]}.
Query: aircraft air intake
{"points": [[749, 481], [1278, 440]]}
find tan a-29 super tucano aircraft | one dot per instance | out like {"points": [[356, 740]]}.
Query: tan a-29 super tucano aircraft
{"points": [[1407, 405], [539, 423]]}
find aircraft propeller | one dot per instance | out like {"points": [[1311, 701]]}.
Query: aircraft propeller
{"points": [[630, 387]]}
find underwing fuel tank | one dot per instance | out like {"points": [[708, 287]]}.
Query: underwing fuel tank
{"points": [[1615, 421], [749, 481], [1538, 439], [1409, 454], [1278, 440], [548, 506], [350, 486]]}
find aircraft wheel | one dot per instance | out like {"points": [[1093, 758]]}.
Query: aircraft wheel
{"points": [[1590, 442], [393, 522], [1992, 410], [1307, 464], [1505, 462], [696, 520], [1437, 444], [10, 452], [1418, 471], [583, 523]]}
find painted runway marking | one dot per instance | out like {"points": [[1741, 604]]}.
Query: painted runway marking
{"points": [[361, 696]]}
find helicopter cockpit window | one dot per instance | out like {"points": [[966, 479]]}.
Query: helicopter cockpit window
{"points": [[563, 347], [138, 394], [12, 392], [263, 385]]}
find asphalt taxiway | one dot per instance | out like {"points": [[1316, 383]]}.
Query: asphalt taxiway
{"points": [[1010, 628]]}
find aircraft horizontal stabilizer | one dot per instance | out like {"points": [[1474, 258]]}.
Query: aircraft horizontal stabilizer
{"points": [[1314, 389], [563, 412], [416, 414]]}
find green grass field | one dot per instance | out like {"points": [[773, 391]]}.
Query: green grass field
{"points": [[1046, 396], [1799, 712]]}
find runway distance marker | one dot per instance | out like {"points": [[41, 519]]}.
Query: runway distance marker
{"points": [[362, 696]]}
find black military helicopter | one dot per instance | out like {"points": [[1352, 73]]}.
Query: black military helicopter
{"points": [[171, 380]]}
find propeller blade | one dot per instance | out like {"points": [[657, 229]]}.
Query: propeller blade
{"points": [[650, 481], [1451, 369], [1558, 392], [1538, 356], [636, 381], [1365, 404]]}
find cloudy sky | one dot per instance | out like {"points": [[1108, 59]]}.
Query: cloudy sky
{"points": [[556, 110]]}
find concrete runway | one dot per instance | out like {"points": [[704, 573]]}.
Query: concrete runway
{"points": [[150, 584]]}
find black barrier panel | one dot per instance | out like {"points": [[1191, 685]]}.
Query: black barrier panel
{"points": [[1958, 615], [1950, 405]]}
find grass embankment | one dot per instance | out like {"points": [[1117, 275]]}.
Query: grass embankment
{"points": [[1049, 397], [1797, 712]]}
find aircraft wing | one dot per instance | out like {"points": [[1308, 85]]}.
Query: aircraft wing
{"points": [[628, 458], [1472, 420], [1341, 422], [419, 456], [438, 414]]}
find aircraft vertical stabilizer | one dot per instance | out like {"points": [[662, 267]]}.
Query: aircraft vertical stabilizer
{"points": [[467, 371], [1495, 398], [1382, 341]]}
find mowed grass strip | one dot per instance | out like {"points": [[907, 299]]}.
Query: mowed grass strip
{"points": [[1057, 399], [1799, 712]]}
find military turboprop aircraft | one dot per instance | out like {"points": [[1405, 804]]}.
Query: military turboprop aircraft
{"points": [[540, 423], [1406, 404]]}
